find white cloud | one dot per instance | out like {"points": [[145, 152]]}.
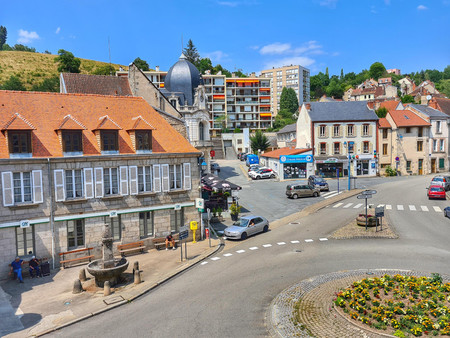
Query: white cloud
{"points": [[421, 7], [58, 30], [254, 47], [26, 37], [217, 56], [275, 48], [328, 3], [228, 3]]}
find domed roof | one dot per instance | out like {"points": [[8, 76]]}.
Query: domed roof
{"points": [[183, 77]]}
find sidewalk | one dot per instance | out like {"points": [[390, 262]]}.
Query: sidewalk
{"points": [[44, 304]]}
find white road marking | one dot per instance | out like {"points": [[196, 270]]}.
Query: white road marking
{"points": [[203, 263], [388, 207], [253, 248], [215, 258], [359, 205], [380, 205], [337, 205], [412, 208], [281, 243], [400, 207], [309, 240], [295, 242], [227, 255], [335, 194], [329, 193], [437, 209], [424, 208], [240, 251], [347, 205], [323, 239], [267, 245]]}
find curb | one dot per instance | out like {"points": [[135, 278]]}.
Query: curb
{"points": [[141, 293]]}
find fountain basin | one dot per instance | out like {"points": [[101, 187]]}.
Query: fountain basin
{"points": [[101, 275]]}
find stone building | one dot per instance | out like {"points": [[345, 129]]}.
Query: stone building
{"points": [[69, 163]]}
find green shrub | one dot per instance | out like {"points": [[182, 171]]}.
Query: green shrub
{"points": [[390, 171]]}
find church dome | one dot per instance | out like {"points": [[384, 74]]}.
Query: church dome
{"points": [[183, 77]]}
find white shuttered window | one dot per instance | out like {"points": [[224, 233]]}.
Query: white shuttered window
{"points": [[187, 176]]}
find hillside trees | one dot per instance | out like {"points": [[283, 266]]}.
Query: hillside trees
{"points": [[141, 64], [3, 36], [13, 83], [289, 100], [67, 62], [377, 70]]}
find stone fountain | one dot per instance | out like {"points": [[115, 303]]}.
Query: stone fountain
{"points": [[108, 268]]}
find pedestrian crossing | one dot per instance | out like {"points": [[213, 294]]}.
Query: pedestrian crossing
{"points": [[330, 194], [396, 207]]}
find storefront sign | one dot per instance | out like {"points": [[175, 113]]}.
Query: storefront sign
{"points": [[296, 159]]}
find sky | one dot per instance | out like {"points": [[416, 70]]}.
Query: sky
{"points": [[251, 35]]}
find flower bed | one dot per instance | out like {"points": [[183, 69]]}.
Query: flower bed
{"points": [[401, 305]]}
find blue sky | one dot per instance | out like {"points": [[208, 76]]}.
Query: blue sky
{"points": [[247, 34]]}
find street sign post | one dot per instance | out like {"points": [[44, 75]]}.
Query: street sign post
{"points": [[363, 196], [369, 192]]}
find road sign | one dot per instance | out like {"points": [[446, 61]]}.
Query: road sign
{"points": [[184, 228], [199, 203], [183, 234], [369, 192], [25, 224], [379, 212], [363, 196]]}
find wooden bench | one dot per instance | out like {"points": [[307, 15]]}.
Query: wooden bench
{"points": [[130, 247], [160, 242], [26, 267], [87, 255]]}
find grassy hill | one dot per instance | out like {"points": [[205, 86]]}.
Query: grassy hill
{"points": [[33, 68]]}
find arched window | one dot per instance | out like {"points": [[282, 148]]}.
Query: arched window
{"points": [[201, 131]]}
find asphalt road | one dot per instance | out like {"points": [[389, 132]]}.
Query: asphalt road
{"points": [[229, 295]]}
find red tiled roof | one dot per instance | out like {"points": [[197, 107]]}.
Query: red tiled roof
{"points": [[141, 124], [107, 124], [69, 123], [389, 105], [47, 111], [384, 123], [443, 104], [406, 118], [18, 122], [96, 84], [284, 151]]}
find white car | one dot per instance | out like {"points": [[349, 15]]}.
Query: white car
{"points": [[263, 173], [255, 170]]}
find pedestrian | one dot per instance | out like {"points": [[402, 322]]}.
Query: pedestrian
{"points": [[16, 267], [171, 241], [34, 267]]}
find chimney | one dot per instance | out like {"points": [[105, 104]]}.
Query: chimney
{"points": [[233, 74], [433, 103], [252, 74], [157, 68], [308, 106]]}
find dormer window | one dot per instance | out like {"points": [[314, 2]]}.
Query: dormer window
{"points": [[72, 141], [141, 135], [144, 140], [19, 141], [109, 139]]}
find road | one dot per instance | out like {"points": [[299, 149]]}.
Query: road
{"points": [[229, 294]]}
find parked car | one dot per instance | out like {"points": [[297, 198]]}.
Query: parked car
{"points": [[215, 166], [253, 167], [254, 170], [262, 173], [443, 181], [436, 191], [243, 157], [301, 190], [318, 182], [246, 226], [447, 212]]}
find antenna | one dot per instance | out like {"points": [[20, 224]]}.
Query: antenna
{"points": [[182, 43], [109, 50]]}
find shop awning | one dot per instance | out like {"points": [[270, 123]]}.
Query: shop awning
{"points": [[265, 114], [214, 182]]}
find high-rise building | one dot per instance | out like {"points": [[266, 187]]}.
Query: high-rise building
{"points": [[295, 77]]}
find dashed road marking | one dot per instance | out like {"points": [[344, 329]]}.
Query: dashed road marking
{"points": [[400, 207], [337, 205], [329, 196], [215, 258], [412, 208], [295, 242], [203, 263], [388, 207], [380, 205], [437, 209], [309, 240], [329, 193], [323, 239], [359, 205], [253, 248], [347, 205], [424, 208], [267, 245], [281, 243], [227, 255], [240, 251]]}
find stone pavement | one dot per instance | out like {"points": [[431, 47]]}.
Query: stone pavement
{"points": [[44, 304]]}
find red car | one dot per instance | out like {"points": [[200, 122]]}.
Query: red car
{"points": [[436, 191]]}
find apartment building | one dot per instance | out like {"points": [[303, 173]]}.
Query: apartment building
{"points": [[156, 76], [295, 77]]}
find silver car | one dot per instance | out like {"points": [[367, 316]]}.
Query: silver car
{"points": [[246, 226]]}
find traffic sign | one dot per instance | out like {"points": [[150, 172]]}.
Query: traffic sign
{"points": [[184, 228], [363, 196], [369, 192], [379, 212], [183, 234]]}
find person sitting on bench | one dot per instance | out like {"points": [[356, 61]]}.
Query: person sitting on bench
{"points": [[169, 239], [16, 267], [34, 267]]}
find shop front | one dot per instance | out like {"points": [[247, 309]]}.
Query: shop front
{"points": [[332, 167], [365, 165], [296, 166]]}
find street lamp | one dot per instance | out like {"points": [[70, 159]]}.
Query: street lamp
{"points": [[204, 166]]}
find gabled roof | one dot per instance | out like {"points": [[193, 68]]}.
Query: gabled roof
{"points": [[141, 124], [284, 151], [431, 112], [406, 118], [341, 111], [383, 123], [106, 123], [70, 123], [288, 129], [95, 84], [18, 122], [46, 112], [443, 104], [390, 105]]}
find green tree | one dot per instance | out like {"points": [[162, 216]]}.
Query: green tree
{"points": [[446, 73], [407, 99], [239, 73], [434, 75], [376, 70], [13, 83], [191, 53], [381, 112], [6, 47], [3, 36], [327, 74], [218, 68], [22, 48], [334, 89], [67, 62], [141, 64], [204, 64], [105, 70], [289, 100], [342, 74], [50, 84], [283, 118], [444, 87], [47, 52], [259, 141]]}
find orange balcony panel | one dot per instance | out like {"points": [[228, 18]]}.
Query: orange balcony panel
{"points": [[219, 96], [264, 105], [265, 89], [265, 97], [265, 114], [161, 85]]}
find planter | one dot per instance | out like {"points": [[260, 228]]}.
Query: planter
{"points": [[216, 219], [371, 221], [234, 217]]}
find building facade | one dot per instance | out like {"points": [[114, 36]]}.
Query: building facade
{"points": [[295, 77], [71, 163]]}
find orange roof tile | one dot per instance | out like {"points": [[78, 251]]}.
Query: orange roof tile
{"points": [[406, 118], [107, 124], [384, 123], [46, 111], [18, 122], [69, 123], [284, 151], [389, 105], [141, 124]]}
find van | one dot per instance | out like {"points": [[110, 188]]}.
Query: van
{"points": [[251, 159], [301, 190]]}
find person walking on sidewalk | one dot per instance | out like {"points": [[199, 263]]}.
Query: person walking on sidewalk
{"points": [[170, 240], [34, 267], [16, 267]]}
